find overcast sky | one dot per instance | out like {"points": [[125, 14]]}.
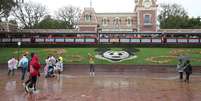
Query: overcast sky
{"points": [[192, 6]]}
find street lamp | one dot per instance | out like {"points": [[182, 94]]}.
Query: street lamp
{"points": [[98, 36], [18, 44]]}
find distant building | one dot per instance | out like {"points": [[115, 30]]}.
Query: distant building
{"points": [[143, 19]]}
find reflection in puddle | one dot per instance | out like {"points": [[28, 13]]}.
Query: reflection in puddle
{"points": [[112, 83], [10, 86], [166, 87]]}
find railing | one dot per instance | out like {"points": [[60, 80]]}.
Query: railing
{"points": [[92, 40], [152, 40]]}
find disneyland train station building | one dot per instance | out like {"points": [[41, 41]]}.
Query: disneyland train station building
{"points": [[143, 19], [139, 26]]}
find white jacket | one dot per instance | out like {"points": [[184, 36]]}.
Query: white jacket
{"points": [[12, 64]]}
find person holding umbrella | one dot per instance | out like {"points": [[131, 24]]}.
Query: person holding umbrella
{"points": [[188, 70], [180, 69]]}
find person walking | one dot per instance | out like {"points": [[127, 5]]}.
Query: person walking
{"points": [[188, 70], [180, 69], [58, 67], [61, 61], [34, 73], [12, 65], [46, 66], [23, 63], [91, 62]]}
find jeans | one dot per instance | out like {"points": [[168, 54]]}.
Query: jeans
{"points": [[181, 75], [33, 82], [187, 77], [24, 70], [92, 69]]}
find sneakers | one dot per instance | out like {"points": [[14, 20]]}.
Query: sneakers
{"points": [[35, 91], [27, 89], [92, 73]]}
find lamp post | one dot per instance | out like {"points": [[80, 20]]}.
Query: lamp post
{"points": [[98, 35], [18, 44]]}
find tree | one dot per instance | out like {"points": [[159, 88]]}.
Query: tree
{"points": [[29, 14], [13, 22], [194, 23], [70, 15], [6, 6], [49, 23], [172, 16]]}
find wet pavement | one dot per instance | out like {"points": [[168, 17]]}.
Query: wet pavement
{"points": [[105, 86]]}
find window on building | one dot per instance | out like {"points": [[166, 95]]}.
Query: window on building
{"points": [[105, 21], [129, 21], [88, 18], [147, 19], [117, 21]]}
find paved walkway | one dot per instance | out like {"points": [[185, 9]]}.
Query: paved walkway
{"points": [[105, 86]]}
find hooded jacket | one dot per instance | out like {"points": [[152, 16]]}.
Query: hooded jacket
{"points": [[34, 66]]}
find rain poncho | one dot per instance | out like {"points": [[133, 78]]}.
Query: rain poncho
{"points": [[12, 64], [24, 62], [34, 66]]}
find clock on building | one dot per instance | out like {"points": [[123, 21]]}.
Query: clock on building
{"points": [[147, 3]]}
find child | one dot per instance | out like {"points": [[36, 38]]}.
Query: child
{"points": [[58, 66], [61, 60], [91, 62], [46, 66], [12, 65]]}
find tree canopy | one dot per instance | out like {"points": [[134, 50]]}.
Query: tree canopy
{"points": [[69, 14], [174, 16], [49, 23], [29, 14]]}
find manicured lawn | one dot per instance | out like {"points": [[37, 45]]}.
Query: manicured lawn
{"points": [[79, 55]]}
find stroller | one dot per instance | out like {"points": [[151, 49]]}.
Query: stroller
{"points": [[50, 71]]}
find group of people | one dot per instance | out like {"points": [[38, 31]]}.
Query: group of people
{"points": [[184, 67], [32, 66], [53, 65]]}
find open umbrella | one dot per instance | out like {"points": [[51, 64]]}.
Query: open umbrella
{"points": [[184, 58]]}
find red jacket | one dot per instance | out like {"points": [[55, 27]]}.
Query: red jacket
{"points": [[34, 66]]}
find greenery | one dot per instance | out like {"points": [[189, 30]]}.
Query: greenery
{"points": [[174, 16], [49, 23], [146, 56]]}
